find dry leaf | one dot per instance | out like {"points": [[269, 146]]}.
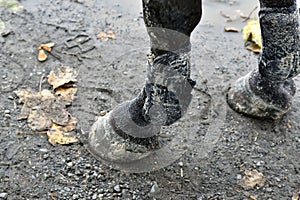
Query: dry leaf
{"points": [[63, 76], [47, 47], [38, 121], [296, 196], [67, 95], [111, 35], [252, 178], [253, 47], [231, 29], [42, 55], [46, 111], [23, 94], [105, 36], [252, 35], [61, 135]]}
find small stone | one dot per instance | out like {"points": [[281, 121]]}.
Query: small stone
{"points": [[117, 188], [154, 188], [180, 164], [87, 166], [3, 195], [269, 189], [239, 177], [69, 164], [43, 150], [95, 196], [277, 179]]}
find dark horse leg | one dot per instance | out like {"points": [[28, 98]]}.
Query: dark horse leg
{"points": [[134, 125], [268, 90]]}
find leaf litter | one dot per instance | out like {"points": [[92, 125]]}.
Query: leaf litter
{"points": [[42, 56], [14, 5], [251, 32], [252, 179], [252, 36], [47, 110], [104, 36]]}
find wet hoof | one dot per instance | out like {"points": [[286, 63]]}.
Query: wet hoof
{"points": [[129, 154], [254, 96]]}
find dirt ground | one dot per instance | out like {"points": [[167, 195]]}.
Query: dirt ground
{"points": [[222, 144]]}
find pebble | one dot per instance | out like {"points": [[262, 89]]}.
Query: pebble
{"points": [[95, 196], [3, 195], [154, 187], [269, 189], [43, 150], [69, 164], [117, 188], [180, 164]]}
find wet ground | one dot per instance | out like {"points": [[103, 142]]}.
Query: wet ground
{"points": [[221, 143]]}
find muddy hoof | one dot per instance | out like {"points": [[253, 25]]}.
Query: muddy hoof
{"points": [[254, 96], [130, 154]]}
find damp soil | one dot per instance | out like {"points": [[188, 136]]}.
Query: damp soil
{"points": [[221, 143]]}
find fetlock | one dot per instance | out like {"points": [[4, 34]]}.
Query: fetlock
{"points": [[279, 94]]}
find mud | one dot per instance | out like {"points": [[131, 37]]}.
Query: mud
{"points": [[221, 143]]}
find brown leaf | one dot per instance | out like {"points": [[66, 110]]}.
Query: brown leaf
{"points": [[111, 34], [252, 178], [47, 47], [32, 100], [62, 76], [296, 196], [38, 121], [23, 94], [104, 36], [42, 55], [61, 135], [66, 95], [253, 47], [231, 29]]}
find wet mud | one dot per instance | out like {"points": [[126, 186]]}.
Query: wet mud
{"points": [[221, 144]]}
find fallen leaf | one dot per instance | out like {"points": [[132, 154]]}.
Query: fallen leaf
{"points": [[102, 35], [38, 121], [23, 94], [62, 76], [42, 55], [224, 14], [72, 123], [111, 35], [42, 108], [14, 5], [296, 196], [252, 178], [47, 47], [231, 29], [252, 35], [46, 111], [105, 36], [66, 94], [253, 47], [62, 134]]}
